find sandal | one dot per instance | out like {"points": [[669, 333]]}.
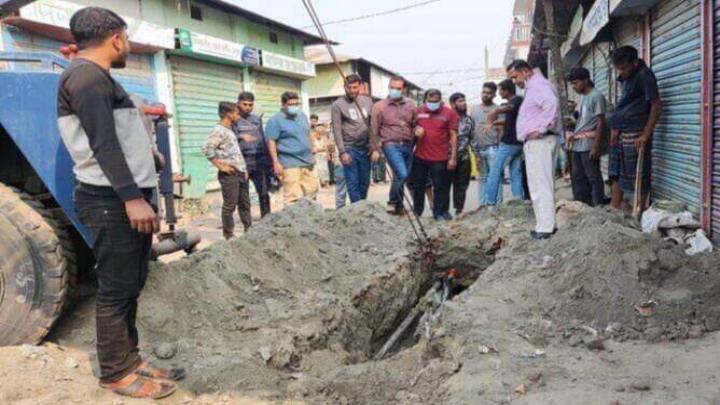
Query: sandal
{"points": [[148, 370], [136, 386]]}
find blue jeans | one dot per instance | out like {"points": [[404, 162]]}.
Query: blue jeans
{"points": [[399, 157], [357, 175], [340, 187], [506, 154], [486, 157]]}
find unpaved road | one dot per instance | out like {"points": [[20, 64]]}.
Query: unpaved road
{"points": [[295, 309]]}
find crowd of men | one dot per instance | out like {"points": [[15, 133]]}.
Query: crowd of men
{"points": [[428, 149]]}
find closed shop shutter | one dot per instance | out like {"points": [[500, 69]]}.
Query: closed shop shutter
{"points": [[716, 132], [627, 32], [137, 77], [601, 72], [268, 88], [198, 87], [597, 62], [676, 61]]}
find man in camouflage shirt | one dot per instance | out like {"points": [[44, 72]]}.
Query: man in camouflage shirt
{"points": [[461, 176], [223, 151]]}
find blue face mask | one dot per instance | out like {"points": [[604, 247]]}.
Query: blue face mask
{"points": [[293, 109], [395, 93], [433, 106]]}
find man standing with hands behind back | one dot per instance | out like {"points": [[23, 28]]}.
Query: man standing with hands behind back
{"points": [[249, 131], [539, 127], [116, 177]]}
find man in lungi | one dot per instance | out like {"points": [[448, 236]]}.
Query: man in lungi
{"points": [[632, 126]]}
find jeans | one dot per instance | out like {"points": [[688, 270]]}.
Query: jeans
{"points": [[378, 170], [486, 157], [236, 195], [341, 193], [460, 181], [261, 181], [357, 175], [399, 157], [440, 176], [506, 154], [587, 180], [121, 255]]}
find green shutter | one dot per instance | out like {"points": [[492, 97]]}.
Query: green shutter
{"points": [[268, 88], [198, 87]]}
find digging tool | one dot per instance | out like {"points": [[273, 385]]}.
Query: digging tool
{"points": [[637, 198]]}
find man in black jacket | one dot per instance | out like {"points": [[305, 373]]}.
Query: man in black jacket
{"points": [[116, 176]]}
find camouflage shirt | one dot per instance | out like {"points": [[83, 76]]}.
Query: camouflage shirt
{"points": [[223, 144]]}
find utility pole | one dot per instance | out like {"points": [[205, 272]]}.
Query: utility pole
{"points": [[558, 71]]}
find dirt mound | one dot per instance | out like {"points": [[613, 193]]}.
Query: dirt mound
{"points": [[297, 308], [301, 294], [601, 274]]}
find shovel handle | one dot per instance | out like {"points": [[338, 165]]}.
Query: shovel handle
{"points": [[637, 198]]}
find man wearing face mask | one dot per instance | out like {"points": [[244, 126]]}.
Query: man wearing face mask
{"points": [[290, 149], [393, 121], [435, 154], [116, 177]]}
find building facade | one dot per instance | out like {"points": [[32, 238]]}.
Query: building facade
{"points": [[677, 39], [188, 55], [327, 86]]}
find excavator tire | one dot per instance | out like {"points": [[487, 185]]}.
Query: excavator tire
{"points": [[33, 269]]}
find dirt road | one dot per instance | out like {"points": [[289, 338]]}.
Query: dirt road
{"points": [[296, 309]]}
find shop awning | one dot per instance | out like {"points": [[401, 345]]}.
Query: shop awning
{"points": [[52, 17], [598, 17], [623, 8]]}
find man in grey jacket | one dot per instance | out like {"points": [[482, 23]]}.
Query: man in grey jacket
{"points": [[352, 138]]}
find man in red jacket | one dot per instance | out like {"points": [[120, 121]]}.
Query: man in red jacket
{"points": [[435, 154]]}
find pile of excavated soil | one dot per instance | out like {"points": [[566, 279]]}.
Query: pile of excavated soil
{"points": [[303, 293], [296, 309], [601, 274]]}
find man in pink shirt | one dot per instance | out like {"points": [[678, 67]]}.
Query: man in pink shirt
{"points": [[539, 127]]}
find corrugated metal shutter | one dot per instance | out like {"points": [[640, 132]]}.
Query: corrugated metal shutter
{"points": [[597, 61], [676, 61], [716, 132], [137, 77], [602, 71], [627, 33], [268, 88], [198, 87]]}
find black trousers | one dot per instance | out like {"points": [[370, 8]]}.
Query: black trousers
{"points": [[460, 182], [261, 180], [122, 255], [441, 178], [587, 180], [236, 195]]}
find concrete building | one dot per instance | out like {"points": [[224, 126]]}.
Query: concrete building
{"points": [[189, 55], [678, 40], [328, 85]]}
